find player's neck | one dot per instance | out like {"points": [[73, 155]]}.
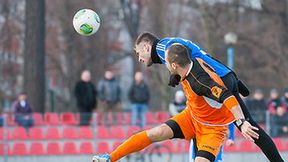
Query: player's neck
{"points": [[183, 72]]}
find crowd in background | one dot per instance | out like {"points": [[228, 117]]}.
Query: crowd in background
{"points": [[108, 93], [276, 105]]}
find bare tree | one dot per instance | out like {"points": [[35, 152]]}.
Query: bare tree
{"points": [[131, 10], [10, 31], [34, 54], [262, 41], [261, 30], [68, 53]]}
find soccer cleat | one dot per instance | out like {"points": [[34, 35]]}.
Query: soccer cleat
{"points": [[101, 158]]}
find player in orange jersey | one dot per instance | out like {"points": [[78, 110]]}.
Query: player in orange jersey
{"points": [[210, 108], [151, 50]]}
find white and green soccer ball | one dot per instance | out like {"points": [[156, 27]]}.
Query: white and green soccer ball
{"points": [[86, 22]]}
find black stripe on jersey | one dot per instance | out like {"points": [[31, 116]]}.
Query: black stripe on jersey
{"points": [[208, 67], [202, 84]]}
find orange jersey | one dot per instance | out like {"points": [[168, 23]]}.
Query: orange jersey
{"points": [[207, 98]]}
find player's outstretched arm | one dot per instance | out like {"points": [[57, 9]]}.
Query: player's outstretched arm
{"points": [[248, 131]]}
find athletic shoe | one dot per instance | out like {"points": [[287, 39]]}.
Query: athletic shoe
{"points": [[101, 158]]}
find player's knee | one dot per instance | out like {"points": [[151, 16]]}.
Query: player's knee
{"points": [[155, 133], [201, 159], [159, 133]]}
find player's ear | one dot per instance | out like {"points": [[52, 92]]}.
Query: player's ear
{"points": [[146, 47], [134, 51], [174, 66]]}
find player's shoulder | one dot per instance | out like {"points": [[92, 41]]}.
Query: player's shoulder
{"points": [[165, 40], [168, 40], [161, 45]]}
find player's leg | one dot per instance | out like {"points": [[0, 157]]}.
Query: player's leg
{"points": [[180, 125], [219, 157], [202, 159], [176, 127], [203, 155], [141, 140], [185, 127], [136, 143], [209, 140], [264, 142], [192, 150]]}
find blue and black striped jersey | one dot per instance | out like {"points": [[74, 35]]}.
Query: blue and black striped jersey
{"points": [[196, 52]]}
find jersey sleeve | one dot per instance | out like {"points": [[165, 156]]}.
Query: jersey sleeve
{"points": [[164, 44], [194, 50], [204, 85], [161, 47]]}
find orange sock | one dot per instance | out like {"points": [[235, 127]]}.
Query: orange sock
{"points": [[135, 143]]}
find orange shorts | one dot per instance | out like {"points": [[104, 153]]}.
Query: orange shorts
{"points": [[208, 138]]}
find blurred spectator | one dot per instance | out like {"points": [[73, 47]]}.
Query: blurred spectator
{"points": [[178, 104], [257, 106], [86, 94], [139, 97], [274, 101], [109, 94], [22, 111], [279, 123], [285, 98]]}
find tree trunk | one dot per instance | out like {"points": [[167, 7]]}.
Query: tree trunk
{"points": [[34, 54]]}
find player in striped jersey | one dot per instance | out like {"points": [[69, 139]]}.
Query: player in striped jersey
{"points": [[150, 50], [209, 110]]}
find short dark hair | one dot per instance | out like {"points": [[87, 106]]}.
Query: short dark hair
{"points": [[178, 54], [146, 37]]}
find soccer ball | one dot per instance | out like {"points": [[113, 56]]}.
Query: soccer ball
{"points": [[86, 22]]}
